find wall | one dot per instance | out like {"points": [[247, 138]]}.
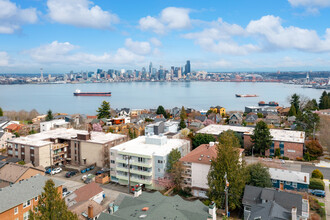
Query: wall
{"points": [[199, 175], [42, 156], [93, 153], [159, 169], [6, 136], [29, 173]]}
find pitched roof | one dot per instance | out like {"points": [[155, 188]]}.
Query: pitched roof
{"points": [[82, 207], [14, 127], [254, 195], [202, 154], [270, 210], [87, 192], [19, 193], [11, 172], [160, 207]]}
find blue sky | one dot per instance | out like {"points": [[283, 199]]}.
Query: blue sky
{"points": [[240, 35]]}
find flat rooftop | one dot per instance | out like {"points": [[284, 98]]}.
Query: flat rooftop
{"points": [[139, 146], [289, 175], [278, 134], [41, 139]]}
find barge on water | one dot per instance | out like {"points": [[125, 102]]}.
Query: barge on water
{"points": [[245, 95], [79, 93]]}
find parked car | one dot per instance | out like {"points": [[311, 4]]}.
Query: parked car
{"points": [[70, 174], [56, 170], [64, 189], [88, 180], [64, 194], [99, 172], [91, 168], [48, 171], [318, 192], [84, 177]]}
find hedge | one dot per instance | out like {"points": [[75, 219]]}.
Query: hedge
{"points": [[315, 183]]}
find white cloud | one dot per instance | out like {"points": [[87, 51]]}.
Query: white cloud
{"points": [[66, 53], [155, 42], [4, 58], [80, 13], [13, 17], [138, 47], [170, 18], [312, 6]]}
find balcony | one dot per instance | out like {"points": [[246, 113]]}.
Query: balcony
{"points": [[59, 146], [58, 153], [134, 162], [135, 179], [135, 171]]}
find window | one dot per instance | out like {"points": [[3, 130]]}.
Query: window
{"points": [[274, 181], [141, 160], [22, 146], [16, 211], [36, 198], [16, 153], [26, 216], [257, 218], [31, 148], [16, 146], [23, 153], [111, 153], [10, 151], [27, 203], [294, 185], [112, 161], [32, 155], [160, 161], [287, 183]]}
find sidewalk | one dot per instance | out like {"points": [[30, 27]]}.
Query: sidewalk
{"points": [[327, 199]]}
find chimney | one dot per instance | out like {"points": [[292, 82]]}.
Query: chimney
{"points": [[211, 144], [137, 190], [90, 212], [212, 211], [305, 179], [294, 213]]}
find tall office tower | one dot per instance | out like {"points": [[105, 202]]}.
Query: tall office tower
{"points": [[150, 68], [187, 67]]}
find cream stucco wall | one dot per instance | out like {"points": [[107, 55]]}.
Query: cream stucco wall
{"points": [[199, 175], [93, 153]]}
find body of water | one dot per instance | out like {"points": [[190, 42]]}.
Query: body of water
{"points": [[198, 95]]}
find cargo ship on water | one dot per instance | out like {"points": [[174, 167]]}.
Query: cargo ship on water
{"points": [[262, 103], [245, 95], [79, 93]]}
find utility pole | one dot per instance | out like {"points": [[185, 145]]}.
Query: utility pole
{"points": [[226, 192], [314, 131]]}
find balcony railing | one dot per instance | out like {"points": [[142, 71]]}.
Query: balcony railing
{"points": [[134, 179], [134, 162], [135, 171], [59, 146]]}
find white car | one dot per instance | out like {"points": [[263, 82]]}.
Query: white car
{"points": [[56, 170], [84, 177], [64, 194]]}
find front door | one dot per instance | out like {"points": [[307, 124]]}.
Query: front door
{"points": [[281, 186]]}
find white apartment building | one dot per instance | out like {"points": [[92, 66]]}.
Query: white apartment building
{"points": [[147, 157], [49, 125]]}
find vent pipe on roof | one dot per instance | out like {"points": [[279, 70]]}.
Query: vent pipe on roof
{"points": [[90, 212]]}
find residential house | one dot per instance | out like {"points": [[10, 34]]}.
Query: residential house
{"points": [[283, 111], [291, 143], [218, 109], [18, 199], [87, 210], [235, 119], [157, 206], [175, 112], [200, 118], [162, 127], [89, 192], [289, 180], [273, 120], [197, 164], [254, 109], [39, 118], [17, 128], [264, 203], [4, 137], [50, 125], [64, 146], [215, 117], [12, 173], [251, 118], [292, 119], [147, 157]]}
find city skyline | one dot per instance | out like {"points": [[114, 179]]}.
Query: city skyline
{"points": [[60, 36]]}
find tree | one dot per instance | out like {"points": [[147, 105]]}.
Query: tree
{"points": [[260, 115], [199, 139], [51, 206], [307, 121], [182, 124], [317, 174], [311, 105], [172, 158], [227, 162], [292, 111], [261, 138], [315, 183], [314, 149], [183, 114], [1, 112], [258, 175], [277, 152], [104, 110], [49, 116], [295, 100], [161, 111], [324, 101], [176, 174]]}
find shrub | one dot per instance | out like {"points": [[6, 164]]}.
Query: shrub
{"points": [[314, 149], [277, 152], [315, 183], [299, 159], [317, 174], [286, 158]]}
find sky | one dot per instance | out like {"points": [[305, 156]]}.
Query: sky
{"points": [[215, 35]]}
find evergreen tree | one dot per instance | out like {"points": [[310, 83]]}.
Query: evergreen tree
{"points": [[324, 101], [199, 139], [51, 206], [306, 122], [173, 157], [104, 110], [292, 111], [258, 175], [49, 116], [1, 112], [183, 114], [311, 105], [227, 162], [295, 100], [161, 111], [261, 138], [182, 124]]}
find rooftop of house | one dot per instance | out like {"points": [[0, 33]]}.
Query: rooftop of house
{"points": [[18, 193], [150, 145], [14, 127], [55, 122], [41, 139], [11, 172], [81, 209], [256, 195], [269, 210], [289, 176], [87, 192], [157, 206], [278, 134]]}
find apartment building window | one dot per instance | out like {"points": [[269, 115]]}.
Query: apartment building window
{"points": [[16, 146], [16, 211], [16, 153], [36, 198], [111, 153], [23, 153], [32, 155], [160, 161], [26, 215], [27, 203], [31, 148], [141, 160], [10, 151], [294, 185], [22, 146], [112, 161]]}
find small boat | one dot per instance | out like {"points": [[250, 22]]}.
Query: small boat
{"points": [[79, 93], [245, 95]]}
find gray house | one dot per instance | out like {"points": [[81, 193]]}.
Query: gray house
{"points": [[235, 119], [263, 203], [251, 118]]}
